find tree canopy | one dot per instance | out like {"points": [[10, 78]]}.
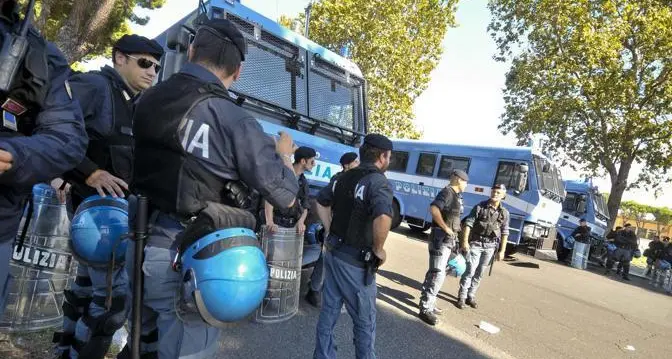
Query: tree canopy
{"points": [[594, 76], [396, 43]]}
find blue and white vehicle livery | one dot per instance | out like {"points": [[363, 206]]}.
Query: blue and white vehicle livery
{"points": [[583, 200], [288, 83], [419, 170]]}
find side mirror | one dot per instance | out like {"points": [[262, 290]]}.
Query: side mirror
{"points": [[546, 168], [520, 179]]}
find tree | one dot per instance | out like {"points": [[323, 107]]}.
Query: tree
{"points": [[84, 29], [636, 212], [396, 43], [595, 77], [663, 219]]}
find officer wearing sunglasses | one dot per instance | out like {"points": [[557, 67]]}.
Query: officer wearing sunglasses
{"points": [[107, 101]]}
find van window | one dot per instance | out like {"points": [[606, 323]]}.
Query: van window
{"points": [[449, 164], [426, 164], [398, 161], [505, 173]]}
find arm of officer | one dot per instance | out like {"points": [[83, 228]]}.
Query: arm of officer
{"points": [[260, 166], [437, 205], [380, 202], [59, 140], [324, 200], [268, 214], [505, 235], [468, 224]]}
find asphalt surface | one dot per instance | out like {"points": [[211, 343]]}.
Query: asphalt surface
{"points": [[544, 310]]}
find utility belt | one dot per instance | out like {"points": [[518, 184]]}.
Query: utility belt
{"points": [[482, 239], [359, 257], [285, 222]]}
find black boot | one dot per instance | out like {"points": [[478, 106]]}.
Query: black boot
{"points": [[314, 298], [428, 317]]}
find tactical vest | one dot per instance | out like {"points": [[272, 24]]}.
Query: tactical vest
{"points": [[452, 212], [351, 218], [488, 223], [25, 100], [115, 153], [175, 182], [294, 213]]}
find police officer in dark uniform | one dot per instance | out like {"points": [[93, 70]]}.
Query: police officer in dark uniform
{"points": [[304, 160], [362, 215], [626, 242], [485, 227], [42, 133], [205, 148], [348, 161], [106, 98], [446, 211]]}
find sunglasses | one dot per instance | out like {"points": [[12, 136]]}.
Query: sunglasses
{"points": [[145, 64]]}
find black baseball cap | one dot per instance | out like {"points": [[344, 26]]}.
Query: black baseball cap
{"points": [[304, 152], [136, 44], [348, 158], [227, 31], [378, 141]]}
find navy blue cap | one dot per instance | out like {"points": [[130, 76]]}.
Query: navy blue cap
{"points": [[378, 141], [582, 220], [499, 186], [136, 44], [304, 152], [226, 30], [461, 174], [348, 158]]}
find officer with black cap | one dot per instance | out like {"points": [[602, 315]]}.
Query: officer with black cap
{"points": [[362, 215], [42, 132], [486, 226], [205, 154], [446, 210], [106, 98], [348, 161], [304, 160]]}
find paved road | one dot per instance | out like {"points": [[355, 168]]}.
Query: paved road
{"points": [[544, 310]]}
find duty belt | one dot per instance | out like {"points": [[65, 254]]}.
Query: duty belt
{"points": [[484, 239], [286, 222], [349, 254]]}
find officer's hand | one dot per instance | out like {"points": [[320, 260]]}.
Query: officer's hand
{"points": [[449, 232], [285, 145], [300, 228], [271, 227], [465, 248], [103, 181], [5, 161], [381, 254], [62, 188], [500, 255]]}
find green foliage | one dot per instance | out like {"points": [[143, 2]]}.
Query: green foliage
{"points": [[636, 212], [594, 76], [396, 43], [86, 29], [663, 218]]}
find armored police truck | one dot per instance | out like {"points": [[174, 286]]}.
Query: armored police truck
{"points": [[419, 170], [289, 83]]}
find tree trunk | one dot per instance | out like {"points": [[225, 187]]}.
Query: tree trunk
{"points": [[619, 182], [41, 21], [77, 35]]}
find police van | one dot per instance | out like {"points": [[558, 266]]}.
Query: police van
{"points": [[420, 170], [583, 200], [289, 83]]}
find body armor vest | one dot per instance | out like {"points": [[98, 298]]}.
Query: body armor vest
{"points": [[351, 220], [488, 223], [452, 212]]}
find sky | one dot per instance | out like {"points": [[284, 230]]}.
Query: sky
{"points": [[463, 102]]}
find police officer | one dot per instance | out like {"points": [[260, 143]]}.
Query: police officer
{"points": [[304, 160], [206, 144], [626, 242], [106, 98], [485, 226], [446, 210], [362, 215], [42, 133], [348, 161]]}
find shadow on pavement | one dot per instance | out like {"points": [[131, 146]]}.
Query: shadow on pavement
{"points": [[524, 265], [394, 297], [398, 336]]}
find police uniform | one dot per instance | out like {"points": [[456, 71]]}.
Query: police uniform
{"points": [[488, 224], [41, 127], [358, 197], [317, 277], [441, 244], [626, 242], [205, 143], [107, 106]]}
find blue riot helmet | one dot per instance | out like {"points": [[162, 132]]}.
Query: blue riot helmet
{"points": [[99, 231], [458, 265], [568, 242], [314, 233], [225, 275]]}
